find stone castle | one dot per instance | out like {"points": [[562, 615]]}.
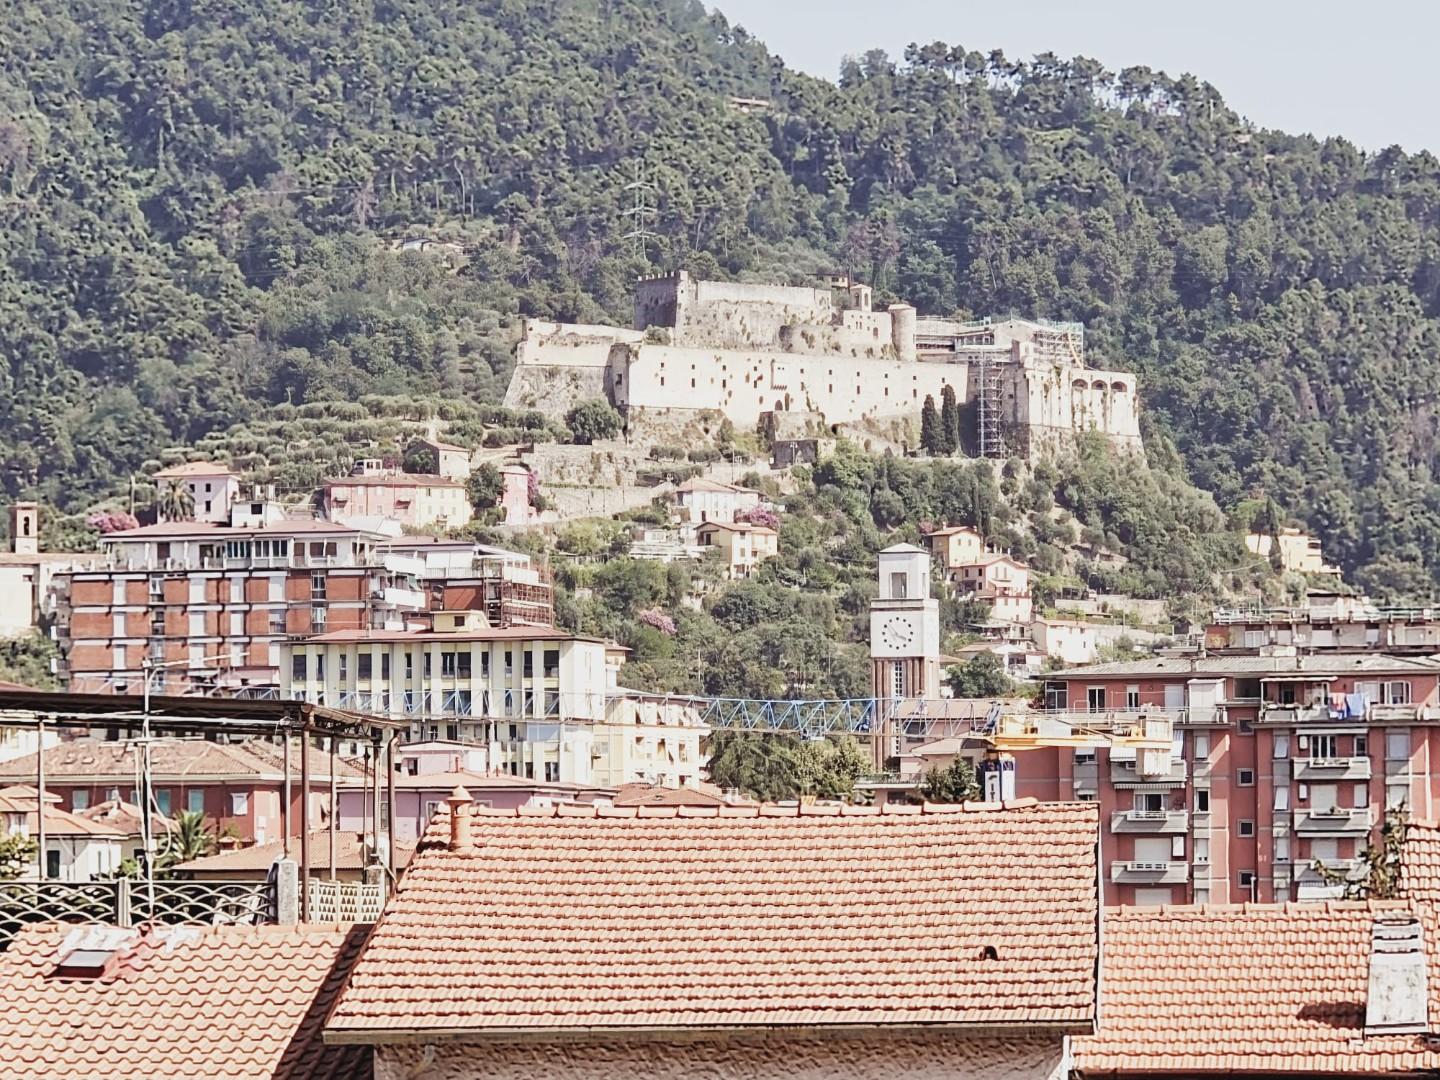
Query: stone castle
{"points": [[752, 351]]}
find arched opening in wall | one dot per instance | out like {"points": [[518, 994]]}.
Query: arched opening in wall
{"points": [[1098, 384], [1119, 387], [1078, 384], [779, 405]]}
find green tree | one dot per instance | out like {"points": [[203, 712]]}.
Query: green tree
{"points": [[27, 660], [930, 437], [1382, 859], [484, 486], [955, 783], [17, 856], [771, 767], [592, 420], [949, 420], [982, 676], [190, 837], [419, 458]]}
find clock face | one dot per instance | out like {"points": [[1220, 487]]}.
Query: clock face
{"points": [[898, 632]]}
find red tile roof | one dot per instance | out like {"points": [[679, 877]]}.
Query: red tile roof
{"points": [[655, 795], [1247, 988], [679, 918], [1420, 862], [212, 1002], [349, 855], [193, 468], [172, 760]]}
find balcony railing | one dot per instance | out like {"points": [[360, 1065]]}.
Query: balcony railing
{"points": [[125, 902], [1150, 821], [1130, 772], [1332, 768], [1150, 873], [1338, 819]]}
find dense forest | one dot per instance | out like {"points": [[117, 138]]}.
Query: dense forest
{"points": [[201, 206]]}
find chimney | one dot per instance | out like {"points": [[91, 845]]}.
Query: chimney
{"points": [[459, 803], [1397, 1001]]}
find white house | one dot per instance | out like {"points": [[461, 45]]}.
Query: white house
{"points": [[75, 849], [214, 488]]}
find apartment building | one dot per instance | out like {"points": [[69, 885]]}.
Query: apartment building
{"points": [[1327, 622], [1279, 762], [529, 695], [999, 581], [210, 604], [414, 500]]}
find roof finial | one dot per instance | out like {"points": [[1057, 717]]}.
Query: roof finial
{"points": [[459, 803]]}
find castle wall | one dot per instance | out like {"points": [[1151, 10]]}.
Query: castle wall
{"points": [[1060, 401], [745, 384], [559, 365]]}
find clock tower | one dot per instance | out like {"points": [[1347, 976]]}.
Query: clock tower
{"points": [[905, 627]]}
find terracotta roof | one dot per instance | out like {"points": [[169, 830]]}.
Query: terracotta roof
{"points": [[1420, 862], [736, 526], [654, 795], [172, 760], [952, 530], [1248, 988], [680, 918], [349, 854], [125, 817], [701, 483], [193, 468], [394, 480], [206, 530], [194, 1002]]}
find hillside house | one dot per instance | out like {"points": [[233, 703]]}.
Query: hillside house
{"points": [[743, 547], [213, 488], [699, 500]]}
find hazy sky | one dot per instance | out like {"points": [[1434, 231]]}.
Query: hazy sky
{"points": [[1365, 69]]}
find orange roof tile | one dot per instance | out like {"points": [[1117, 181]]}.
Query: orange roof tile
{"points": [[657, 795], [193, 468], [1247, 988], [687, 918], [172, 760], [350, 854], [1420, 862], [231, 1002]]}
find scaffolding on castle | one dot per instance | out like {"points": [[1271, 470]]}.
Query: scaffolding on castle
{"points": [[988, 405]]}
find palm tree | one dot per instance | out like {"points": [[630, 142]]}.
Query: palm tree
{"points": [[174, 502], [190, 838]]}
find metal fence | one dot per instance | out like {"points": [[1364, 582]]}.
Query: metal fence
{"points": [[125, 902]]}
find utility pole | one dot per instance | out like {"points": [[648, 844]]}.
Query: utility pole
{"points": [[640, 212]]}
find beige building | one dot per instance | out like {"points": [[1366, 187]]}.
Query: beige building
{"points": [[1001, 582], [743, 547], [1068, 640], [648, 739], [414, 500], [213, 488], [1300, 552], [959, 545], [699, 500]]}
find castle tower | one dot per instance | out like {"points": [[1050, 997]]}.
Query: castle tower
{"points": [[25, 528]]}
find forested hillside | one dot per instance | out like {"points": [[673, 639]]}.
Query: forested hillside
{"points": [[200, 202]]}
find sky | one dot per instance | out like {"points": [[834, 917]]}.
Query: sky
{"points": [[1369, 71]]}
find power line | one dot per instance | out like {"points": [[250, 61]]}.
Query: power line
{"points": [[640, 212]]}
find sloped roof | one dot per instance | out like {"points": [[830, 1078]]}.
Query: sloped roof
{"points": [[171, 760], [1420, 863], [193, 468], [1266, 988], [196, 1002], [393, 480], [349, 854], [1331, 664], [655, 795], [125, 817], [702, 483], [736, 526], [582, 918]]}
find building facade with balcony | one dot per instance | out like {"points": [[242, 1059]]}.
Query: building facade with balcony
{"points": [[530, 696], [209, 605], [1327, 622], [1280, 763]]}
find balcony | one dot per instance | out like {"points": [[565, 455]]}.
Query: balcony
{"points": [[1273, 713], [1396, 714], [1150, 873], [395, 597], [1337, 821], [1332, 768], [1128, 772], [1150, 821]]}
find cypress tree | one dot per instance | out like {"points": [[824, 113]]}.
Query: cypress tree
{"points": [[949, 420], [929, 427]]}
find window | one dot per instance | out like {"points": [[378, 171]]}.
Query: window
{"points": [[364, 664], [1244, 727], [409, 665], [1202, 800], [897, 587], [425, 665], [112, 794], [1095, 698], [195, 800], [385, 666], [897, 679], [52, 864], [1149, 801], [1397, 693], [162, 799], [1056, 697], [1202, 745], [320, 667], [447, 665], [1397, 746], [1323, 746], [1361, 797], [1245, 777], [552, 772], [317, 617], [1281, 746], [1282, 798], [79, 800], [527, 660], [509, 663], [1132, 696], [552, 663], [1085, 796], [1362, 746], [1254, 639], [344, 668], [1202, 849], [239, 803], [1247, 828], [1282, 848], [1085, 757], [529, 770], [1247, 879], [463, 664], [277, 621]]}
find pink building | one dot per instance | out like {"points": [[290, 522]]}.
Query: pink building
{"points": [[1001, 582], [515, 495], [414, 500]]}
